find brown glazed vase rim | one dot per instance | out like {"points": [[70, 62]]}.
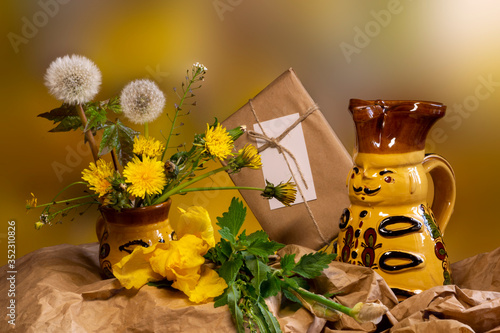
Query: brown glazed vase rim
{"points": [[137, 216]]}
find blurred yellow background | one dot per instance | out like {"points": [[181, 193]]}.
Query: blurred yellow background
{"points": [[445, 51]]}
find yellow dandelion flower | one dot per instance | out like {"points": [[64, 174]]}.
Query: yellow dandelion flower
{"points": [[285, 193], [248, 157], [96, 176], [218, 142], [146, 176], [31, 202], [149, 147]]}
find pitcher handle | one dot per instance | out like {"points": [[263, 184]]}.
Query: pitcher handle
{"points": [[443, 178]]}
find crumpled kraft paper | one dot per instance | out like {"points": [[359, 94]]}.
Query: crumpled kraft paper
{"points": [[329, 163], [59, 289]]}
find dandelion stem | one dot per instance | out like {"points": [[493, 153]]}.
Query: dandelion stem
{"points": [[88, 133], [146, 130], [113, 157], [67, 200], [74, 206], [195, 189], [186, 184], [64, 189]]}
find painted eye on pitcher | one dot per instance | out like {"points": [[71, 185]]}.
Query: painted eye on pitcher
{"points": [[355, 172], [387, 179]]}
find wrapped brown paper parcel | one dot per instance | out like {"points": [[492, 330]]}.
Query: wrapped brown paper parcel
{"points": [[312, 145]]}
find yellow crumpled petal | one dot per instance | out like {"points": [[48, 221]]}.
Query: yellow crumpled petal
{"points": [[182, 259], [179, 261], [210, 285], [134, 270], [194, 221]]}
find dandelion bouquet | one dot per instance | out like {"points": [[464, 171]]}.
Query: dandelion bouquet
{"points": [[141, 170]]}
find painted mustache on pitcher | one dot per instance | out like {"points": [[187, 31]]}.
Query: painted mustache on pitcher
{"points": [[366, 190]]}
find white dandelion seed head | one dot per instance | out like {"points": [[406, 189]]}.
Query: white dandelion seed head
{"points": [[142, 101], [73, 79]]}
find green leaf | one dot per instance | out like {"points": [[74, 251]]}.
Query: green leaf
{"points": [[271, 286], [300, 282], [221, 300], [66, 117], [227, 234], [60, 113], [233, 219], [165, 283], [289, 282], [273, 325], [287, 263], [68, 124], [259, 270], [259, 234], [233, 297], [291, 296], [258, 318], [264, 248], [119, 137], [230, 269], [96, 117], [311, 265], [220, 253], [242, 238], [225, 248], [114, 105]]}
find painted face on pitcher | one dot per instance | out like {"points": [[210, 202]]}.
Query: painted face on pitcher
{"points": [[371, 185]]}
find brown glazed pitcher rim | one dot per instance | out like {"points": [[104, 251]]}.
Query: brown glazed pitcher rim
{"points": [[137, 216], [393, 126], [391, 102], [428, 107]]}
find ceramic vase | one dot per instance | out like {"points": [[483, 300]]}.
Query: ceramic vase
{"points": [[119, 232], [395, 224]]}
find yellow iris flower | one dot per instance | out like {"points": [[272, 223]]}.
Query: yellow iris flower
{"points": [[180, 261], [194, 221], [134, 270], [183, 258], [210, 285]]}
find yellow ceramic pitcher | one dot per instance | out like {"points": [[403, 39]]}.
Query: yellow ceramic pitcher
{"points": [[390, 225]]}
